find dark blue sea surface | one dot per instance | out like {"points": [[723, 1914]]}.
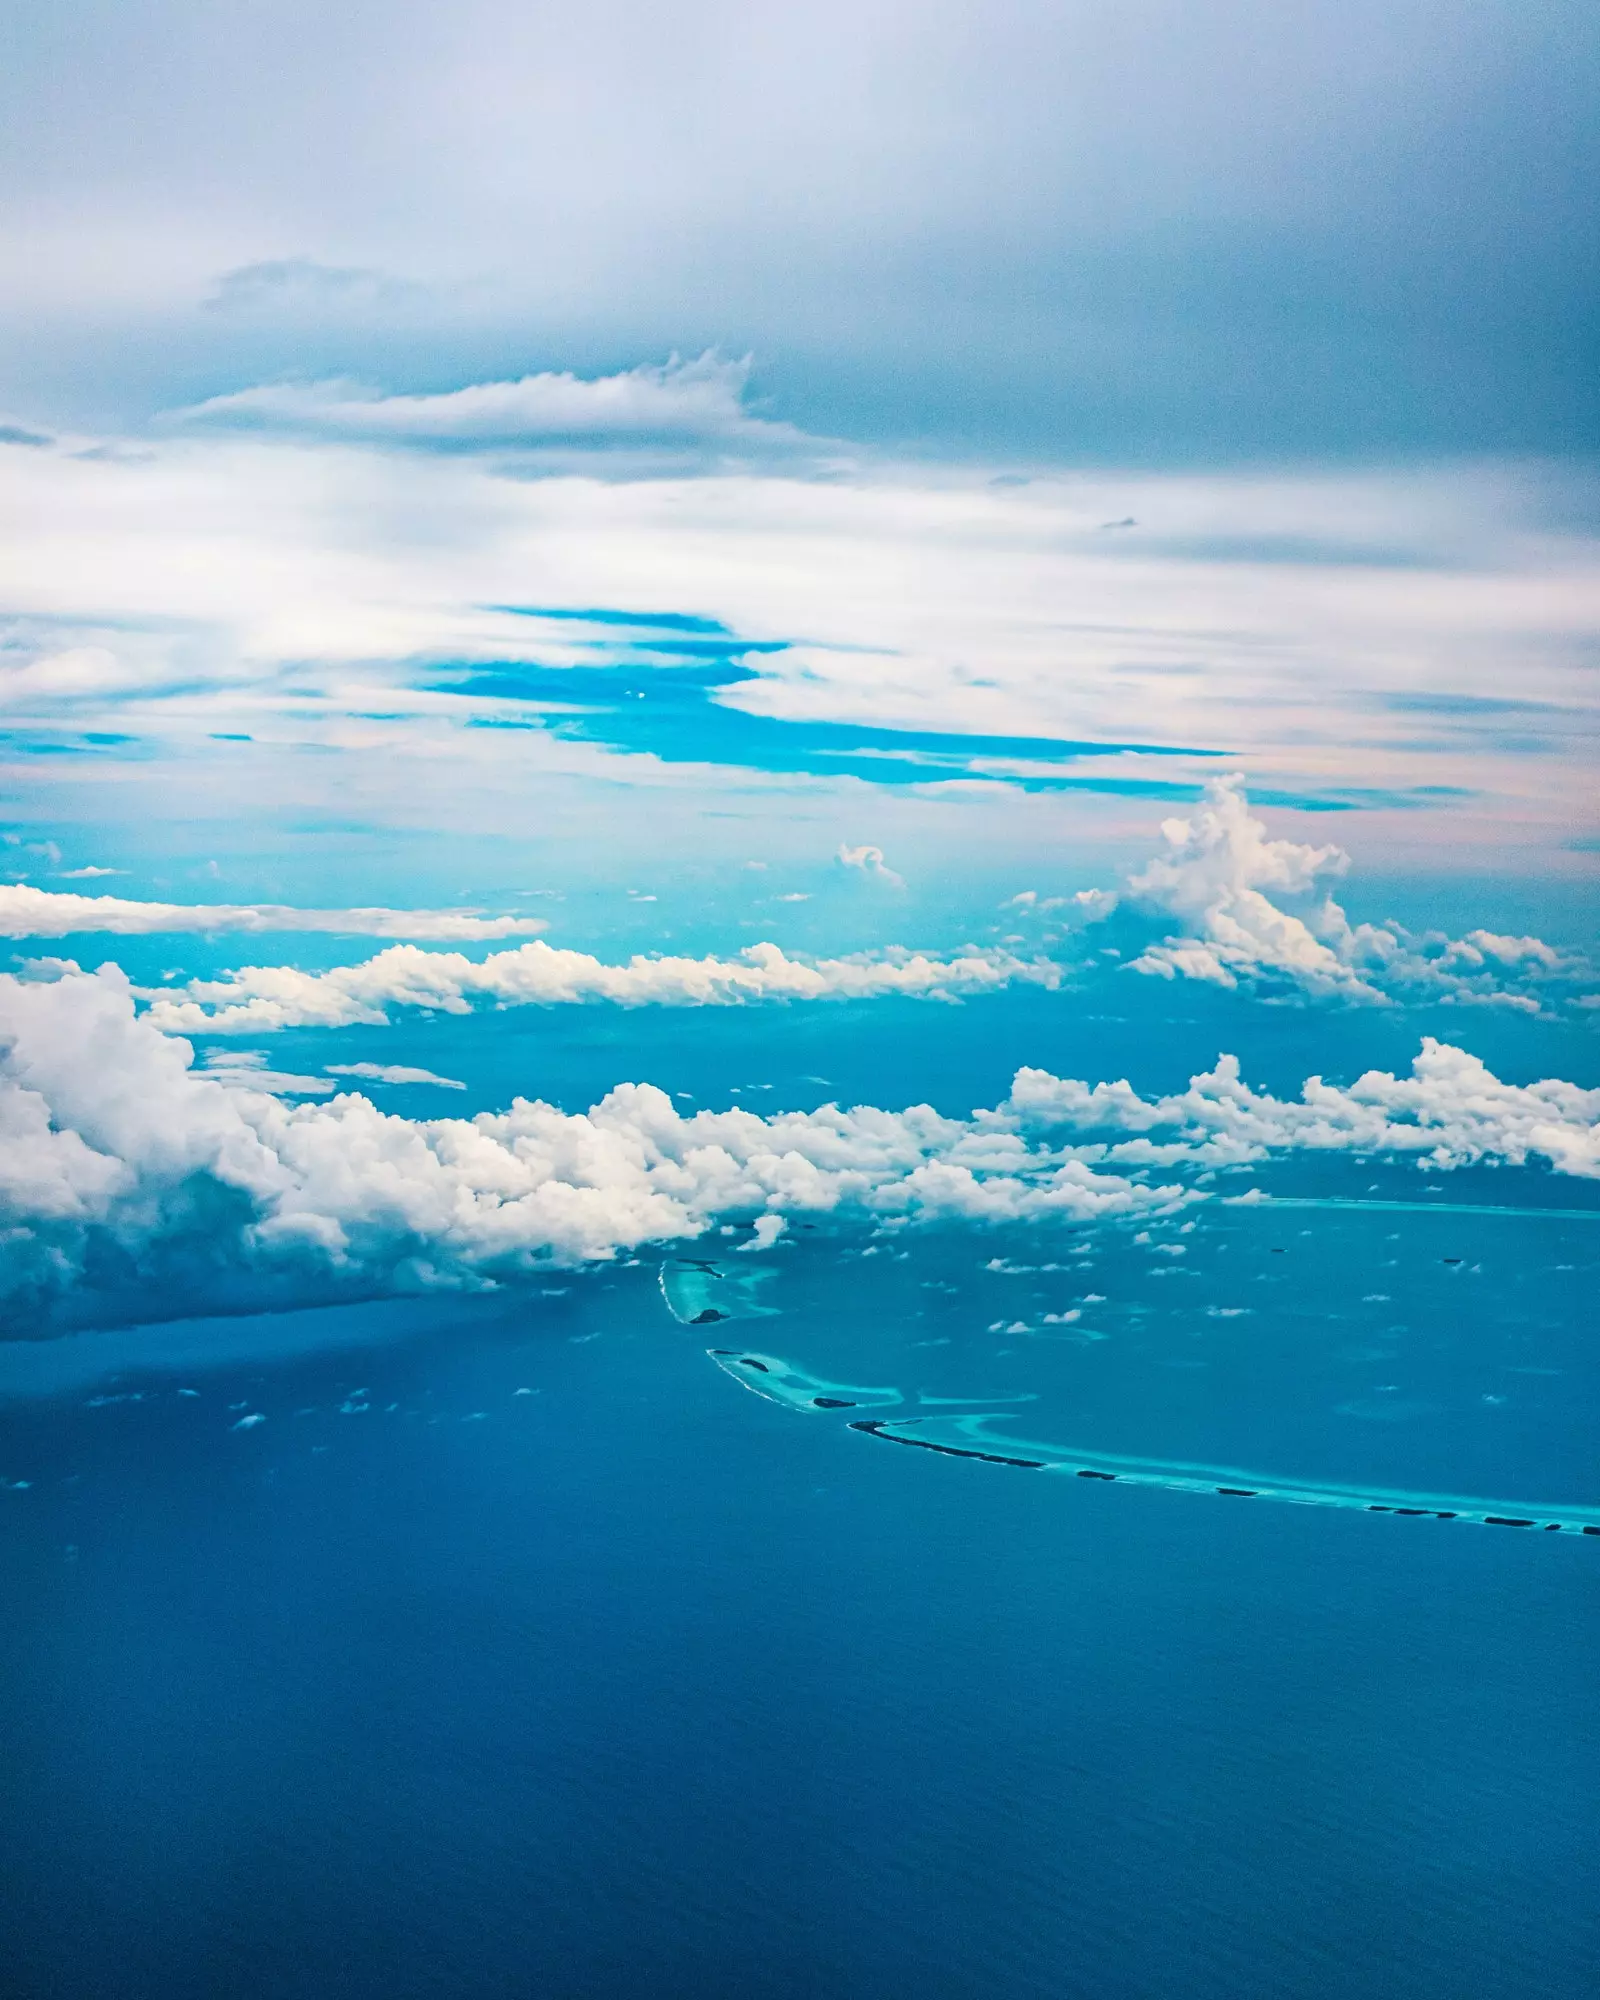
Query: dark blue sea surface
{"points": [[516, 1650]]}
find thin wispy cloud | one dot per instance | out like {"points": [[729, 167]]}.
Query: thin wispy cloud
{"points": [[26, 912], [297, 591], [397, 1073], [305, 286], [869, 861], [698, 402]]}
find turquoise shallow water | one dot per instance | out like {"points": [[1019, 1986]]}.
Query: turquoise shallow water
{"points": [[1344, 1350], [520, 1649]]}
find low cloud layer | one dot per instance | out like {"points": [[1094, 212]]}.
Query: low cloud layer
{"points": [[122, 1167], [1452, 1111], [259, 998], [114, 1163], [38, 913], [1213, 875]]}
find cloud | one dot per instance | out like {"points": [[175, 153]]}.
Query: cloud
{"points": [[249, 1069], [46, 850], [124, 1169], [134, 1162], [29, 912], [1452, 1111], [1093, 905], [767, 1230], [69, 674], [699, 402], [303, 285], [392, 1073], [259, 998], [870, 862], [1214, 875], [268, 585]]}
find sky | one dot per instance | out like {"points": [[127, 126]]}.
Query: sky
{"points": [[1136, 231], [517, 515]]}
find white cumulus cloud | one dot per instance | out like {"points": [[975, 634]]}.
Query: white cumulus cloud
{"points": [[258, 998], [1452, 1111], [116, 1155], [1219, 874], [1214, 874], [136, 1152]]}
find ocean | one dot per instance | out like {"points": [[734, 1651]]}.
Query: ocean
{"points": [[534, 1643]]}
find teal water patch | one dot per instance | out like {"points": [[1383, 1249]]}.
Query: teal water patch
{"points": [[781, 1381], [972, 1437], [1231, 1358], [699, 1292], [1421, 1207]]}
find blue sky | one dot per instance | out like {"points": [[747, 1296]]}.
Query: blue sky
{"points": [[880, 508]]}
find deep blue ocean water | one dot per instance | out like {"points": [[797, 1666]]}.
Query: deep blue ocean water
{"points": [[519, 1651]]}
